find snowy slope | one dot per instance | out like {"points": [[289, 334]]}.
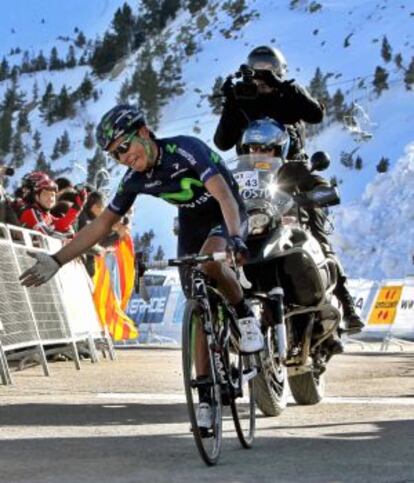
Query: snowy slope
{"points": [[308, 40]]}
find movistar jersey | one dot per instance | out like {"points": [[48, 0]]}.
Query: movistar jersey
{"points": [[185, 164]]}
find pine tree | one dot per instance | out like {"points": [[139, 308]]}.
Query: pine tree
{"points": [[124, 92], [89, 140], [195, 6], [123, 24], [145, 84], [338, 106], [319, 89], [80, 40], [26, 65], [64, 106], [94, 164], [380, 80], [383, 165], [6, 131], [409, 75], [85, 90], [64, 143], [71, 58], [23, 124], [37, 140], [40, 62], [160, 254], [4, 69], [13, 98], [35, 91], [42, 164], [386, 50], [358, 163], [18, 150], [48, 104], [56, 150], [54, 62]]}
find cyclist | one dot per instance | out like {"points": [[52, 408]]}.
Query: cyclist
{"points": [[267, 136], [184, 171]]}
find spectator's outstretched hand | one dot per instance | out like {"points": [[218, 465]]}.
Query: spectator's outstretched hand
{"points": [[44, 269]]}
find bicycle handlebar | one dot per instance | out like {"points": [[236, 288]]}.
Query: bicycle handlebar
{"points": [[187, 260]]}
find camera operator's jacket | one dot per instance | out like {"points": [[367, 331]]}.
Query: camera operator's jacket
{"points": [[290, 105]]}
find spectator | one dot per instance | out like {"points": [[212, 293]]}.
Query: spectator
{"points": [[41, 199], [63, 184]]}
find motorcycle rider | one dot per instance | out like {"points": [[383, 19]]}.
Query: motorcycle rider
{"points": [[264, 136], [282, 100], [186, 172]]}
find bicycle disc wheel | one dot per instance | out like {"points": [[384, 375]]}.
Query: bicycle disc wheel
{"points": [[243, 406], [208, 441]]}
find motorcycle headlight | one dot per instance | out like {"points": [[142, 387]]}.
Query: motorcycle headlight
{"points": [[258, 222]]}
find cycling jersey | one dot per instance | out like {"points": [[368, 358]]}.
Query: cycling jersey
{"points": [[183, 167]]}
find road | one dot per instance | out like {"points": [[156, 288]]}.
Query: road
{"points": [[125, 421]]}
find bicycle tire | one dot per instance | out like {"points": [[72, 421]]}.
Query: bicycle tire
{"points": [[208, 444], [244, 409]]}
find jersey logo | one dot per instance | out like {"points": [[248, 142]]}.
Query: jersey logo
{"points": [[171, 148], [215, 157], [186, 194]]}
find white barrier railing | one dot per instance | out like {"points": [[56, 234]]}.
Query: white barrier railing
{"points": [[60, 312]]}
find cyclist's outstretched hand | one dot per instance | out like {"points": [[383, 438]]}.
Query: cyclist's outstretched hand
{"points": [[239, 249], [42, 271]]}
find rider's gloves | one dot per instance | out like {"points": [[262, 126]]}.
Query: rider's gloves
{"points": [[269, 78], [44, 269], [239, 248]]}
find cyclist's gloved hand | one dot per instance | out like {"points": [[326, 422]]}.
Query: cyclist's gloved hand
{"points": [[239, 248], [44, 269], [269, 78]]}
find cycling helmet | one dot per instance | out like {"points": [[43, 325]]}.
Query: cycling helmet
{"points": [[266, 134], [268, 58], [116, 122], [29, 180], [45, 184]]}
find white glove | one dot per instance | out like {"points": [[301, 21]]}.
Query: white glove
{"points": [[44, 269]]}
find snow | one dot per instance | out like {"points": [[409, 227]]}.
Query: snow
{"points": [[374, 223]]}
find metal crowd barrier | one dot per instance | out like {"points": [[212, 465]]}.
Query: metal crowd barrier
{"points": [[58, 316]]}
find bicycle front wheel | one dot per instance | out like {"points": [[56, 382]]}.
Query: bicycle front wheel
{"points": [[243, 405], [208, 440]]}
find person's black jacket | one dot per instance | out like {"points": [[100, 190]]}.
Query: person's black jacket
{"points": [[290, 105]]}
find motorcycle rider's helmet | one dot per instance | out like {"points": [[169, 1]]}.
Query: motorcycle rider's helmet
{"points": [[121, 119], [264, 136], [268, 58]]}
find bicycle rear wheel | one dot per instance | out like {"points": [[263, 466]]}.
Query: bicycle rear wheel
{"points": [[208, 441], [242, 371]]}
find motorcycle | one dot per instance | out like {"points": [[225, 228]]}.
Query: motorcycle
{"points": [[288, 283]]}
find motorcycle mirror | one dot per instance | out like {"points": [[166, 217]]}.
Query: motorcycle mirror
{"points": [[320, 161]]}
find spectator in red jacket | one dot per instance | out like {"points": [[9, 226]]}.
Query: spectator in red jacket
{"points": [[41, 200]]}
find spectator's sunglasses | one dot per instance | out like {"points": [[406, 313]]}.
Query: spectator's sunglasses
{"points": [[275, 150], [123, 147]]}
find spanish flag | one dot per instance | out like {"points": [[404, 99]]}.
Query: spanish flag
{"points": [[107, 305], [124, 253]]}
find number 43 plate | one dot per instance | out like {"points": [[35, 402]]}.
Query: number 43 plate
{"points": [[247, 179]]}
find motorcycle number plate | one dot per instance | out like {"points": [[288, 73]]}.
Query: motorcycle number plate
{"points": [[247, 179]]}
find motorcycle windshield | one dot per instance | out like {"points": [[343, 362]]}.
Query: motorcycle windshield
{"points": [[256, 176]]}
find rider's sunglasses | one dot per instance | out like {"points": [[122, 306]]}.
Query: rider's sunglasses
{"points": [[122, 147], [261, 149]]}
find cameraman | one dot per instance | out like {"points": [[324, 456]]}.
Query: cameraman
{"points": [[262, 92]]}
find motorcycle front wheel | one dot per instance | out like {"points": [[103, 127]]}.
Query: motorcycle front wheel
{"points": [[308, 388]]}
